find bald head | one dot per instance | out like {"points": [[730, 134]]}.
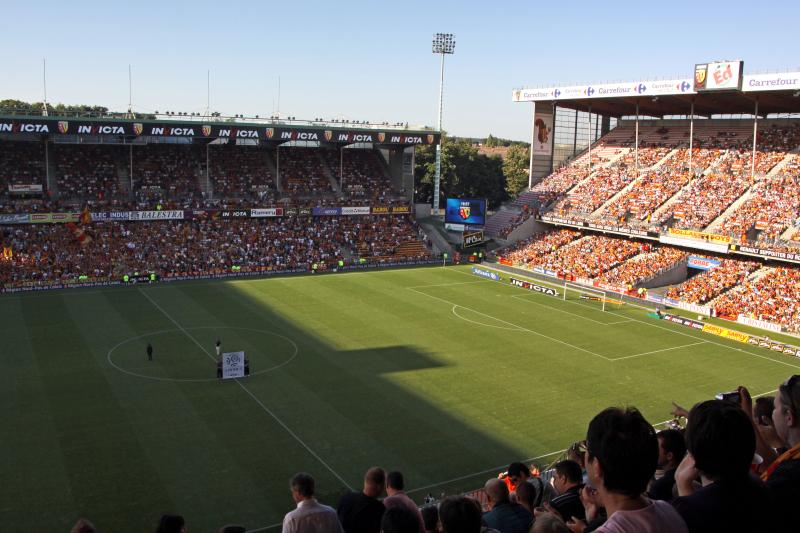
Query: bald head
{"points": [[496, 490], [374, 482]]}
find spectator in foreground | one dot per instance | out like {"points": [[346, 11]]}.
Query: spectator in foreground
{"points": [[395, 483], [504, 516], [526, 496], [361, 512], [430, 516], [310, 515], [459, 514], [568, 482], [171, 523], [721, 441], [671, 449], [519, 473], [621, 457], [783, 475], [399, 519]]}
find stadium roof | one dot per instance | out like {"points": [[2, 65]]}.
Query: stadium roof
{"points": [[775, 93], [276, 132]]}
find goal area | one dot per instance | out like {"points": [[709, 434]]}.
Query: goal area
{"points": [[593, 298]]}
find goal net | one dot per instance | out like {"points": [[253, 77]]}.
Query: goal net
{"points": [[593, 298]]}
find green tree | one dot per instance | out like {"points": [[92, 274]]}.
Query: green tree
{"points": [[465, 173], [515, 169]]}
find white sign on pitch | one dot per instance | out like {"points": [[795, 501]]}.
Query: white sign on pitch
{"points": [[232, 365]]}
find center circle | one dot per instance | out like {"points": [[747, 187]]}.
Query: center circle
{"points": [[136, 359]]}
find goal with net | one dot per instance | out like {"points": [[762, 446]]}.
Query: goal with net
{"points": [[595, 298]]}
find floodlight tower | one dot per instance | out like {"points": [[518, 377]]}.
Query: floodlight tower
{"points": [[443, 43]]}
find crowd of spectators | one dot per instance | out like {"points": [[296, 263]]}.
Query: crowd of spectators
{"points": [[50, 253], [647, 194], [538, 245], [704, 200], [595, 191], [166, 172], [773, 206], [360, 174], [86, 171], [303, 172], [774, 297], [562, 180], [240, 172], [21, 163], [644, 266], [175, 173], [707, 285], [589, 257]]}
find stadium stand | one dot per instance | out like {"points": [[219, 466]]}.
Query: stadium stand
{"points": [[303, 172], [774, 297], [363, 178], [86, 172], [240, 172], [45, 254], [707, 285], [166, 172], [21, 163]]}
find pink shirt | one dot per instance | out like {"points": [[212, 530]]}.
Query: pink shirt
{"points": [[657, 517]]}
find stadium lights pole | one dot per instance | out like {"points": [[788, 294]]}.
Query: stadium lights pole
{"points": [[443, 43]]}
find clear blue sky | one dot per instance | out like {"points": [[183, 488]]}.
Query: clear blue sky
{"points": [[372, 60]]}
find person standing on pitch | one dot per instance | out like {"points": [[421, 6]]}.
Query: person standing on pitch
{"points": [[218, 346], [149, 352]]}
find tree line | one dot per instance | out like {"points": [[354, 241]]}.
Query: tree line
{"points": [[467, 173]]}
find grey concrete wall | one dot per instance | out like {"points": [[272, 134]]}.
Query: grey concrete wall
{"points": [[675, 275]]}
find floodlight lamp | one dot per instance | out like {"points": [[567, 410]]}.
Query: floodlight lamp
{"points": [[444, 43]]}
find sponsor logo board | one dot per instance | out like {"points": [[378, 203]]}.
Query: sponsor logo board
{"points": [[360, 210], [486, 274], [533, 287], [167, 214]]}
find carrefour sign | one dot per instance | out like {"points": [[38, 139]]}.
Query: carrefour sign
{"points": [[606, 90]]}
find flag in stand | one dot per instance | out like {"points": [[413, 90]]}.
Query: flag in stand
{"points": [[8, 253], [86, 217], [77, 229]]}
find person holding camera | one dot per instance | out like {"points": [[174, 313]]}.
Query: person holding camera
{"points": [[721, 444]]}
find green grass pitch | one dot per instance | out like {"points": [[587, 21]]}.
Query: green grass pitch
{"points": [[436, 372]]}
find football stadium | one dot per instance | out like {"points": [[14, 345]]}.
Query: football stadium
{"points": [[237, 323]]}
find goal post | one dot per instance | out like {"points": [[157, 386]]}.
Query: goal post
{"points": [[594, 298]]}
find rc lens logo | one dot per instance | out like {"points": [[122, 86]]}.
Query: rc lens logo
{"points": [[700, 74], [63, 126], [328, 135], [270, 132], [464, 210], [430, 138], [381, 137], [206, 131], [138, 128]]}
